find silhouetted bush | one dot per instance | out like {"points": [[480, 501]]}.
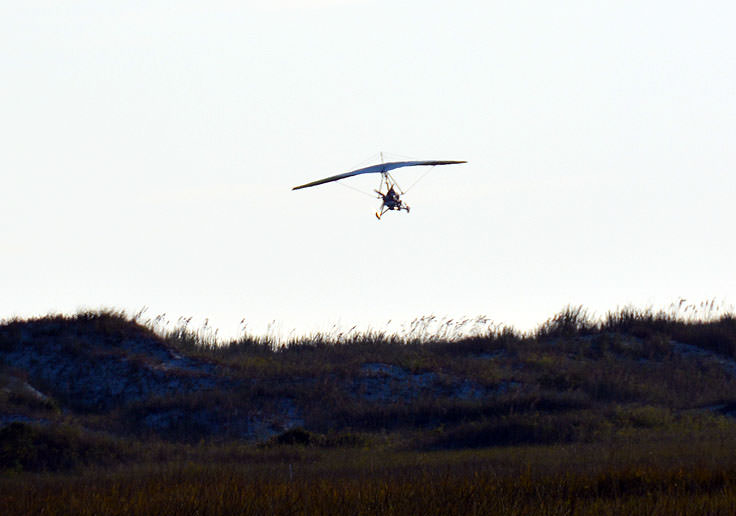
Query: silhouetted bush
{"points": [[298, 436], [25, 447]]}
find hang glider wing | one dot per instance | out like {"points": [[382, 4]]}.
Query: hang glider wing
{"points": [[374, 169]]}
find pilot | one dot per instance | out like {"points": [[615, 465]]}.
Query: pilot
{"points": [[391, 199]]}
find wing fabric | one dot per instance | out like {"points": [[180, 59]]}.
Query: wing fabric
{"points": [[373, 169]]}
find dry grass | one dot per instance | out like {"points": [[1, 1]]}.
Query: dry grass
{"points": [[603, 416], [623, 476]]}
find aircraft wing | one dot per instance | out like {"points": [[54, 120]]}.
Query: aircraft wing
{"points": [[374, 169]]}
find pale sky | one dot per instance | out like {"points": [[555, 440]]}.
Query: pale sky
{"points": [[148, 150]]}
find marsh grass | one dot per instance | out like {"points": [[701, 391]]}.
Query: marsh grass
{"points": [[623, 476], [583, 415]]}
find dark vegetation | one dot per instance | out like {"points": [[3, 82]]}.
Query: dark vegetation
{"points": [[626, 414]]}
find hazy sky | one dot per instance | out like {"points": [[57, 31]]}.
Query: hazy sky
{"points": [[148, 149]]}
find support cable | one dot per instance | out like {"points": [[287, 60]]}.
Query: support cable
{"points": [[356, 189], [420, 178]]}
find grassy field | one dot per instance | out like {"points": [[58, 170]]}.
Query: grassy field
{"points": [[628, 475], [628, 414]]}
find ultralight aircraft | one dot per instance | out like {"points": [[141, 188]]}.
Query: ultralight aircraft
{"points": [[391, 197]]}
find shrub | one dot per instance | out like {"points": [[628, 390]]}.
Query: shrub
{"points": [[25, 447], [298, 436]]}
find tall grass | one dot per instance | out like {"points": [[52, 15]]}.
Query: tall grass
{"points": [[648, 478], [584, 415]]}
